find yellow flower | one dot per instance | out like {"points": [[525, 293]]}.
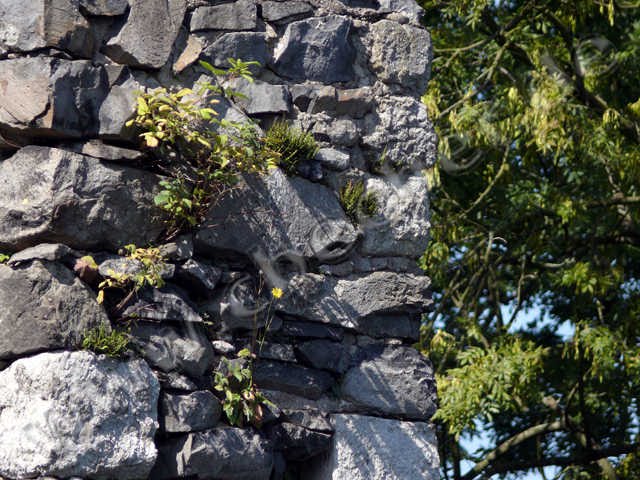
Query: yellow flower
{"points": [[276, 292]]}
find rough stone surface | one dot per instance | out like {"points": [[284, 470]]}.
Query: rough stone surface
{"points": [[316, 49], [28, 26], [44, 306], [333, 159], [166, 303], [263, 98], [200, 277], [105, 7], [61, 98], [61, 412], [189, 413], [103, 151], [324, 354], [53, 252], [147, 37], [278, 213], [245, 45], [401, 54], [369, 448], [223, 453], [397, 382], [357, 301], [411, 143], [185, 349], [274, 11], [401, 226], [240, 15], [293, 379], [44, 191]]}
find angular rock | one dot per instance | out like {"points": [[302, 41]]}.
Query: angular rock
{"points": [[342, 131], [293, 379], [45, 192], [316, 49], [333, 159], [44, 306], [28, 26], [401, 54], [274, 214], [357, 302], [276, 351], [355, 102], [402, 9], [240, 15], [189, 55], [189, 413], [298, 443], [160, 304], [53, 252], [273, 11], [262, 98], [399, 382], [324, 354], [118, 107], [147, 37], [401, 225], [109, 8], [410, 143], [370, 448], [175, 381], [311, 419], [61, 98], [223, 453], [103, 151], [76, 414], [200, 277], [167, 348], [311, 330], [179, 250], [244, 45]]}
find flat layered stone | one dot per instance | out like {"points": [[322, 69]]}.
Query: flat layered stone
{"points": [[316, 49], [44, 306], [45, 191], [147, 37], [239, 15]]}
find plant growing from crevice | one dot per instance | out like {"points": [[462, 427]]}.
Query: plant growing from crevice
{"points": [[291, 144], [242, 402], [203, 155], [112, 343], [355, 201], [4, 257], [150, 265]]}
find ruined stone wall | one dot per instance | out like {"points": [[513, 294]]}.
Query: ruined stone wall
{"points": [[351, 398]]}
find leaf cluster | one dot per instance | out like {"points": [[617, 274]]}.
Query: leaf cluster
{"points": [[108, 342], [292, 145], [355, 201], [149, 264], [536, 231], [242, 402], [202, 153]]}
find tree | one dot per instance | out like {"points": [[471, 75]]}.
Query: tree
{"points": [[536, 207]]}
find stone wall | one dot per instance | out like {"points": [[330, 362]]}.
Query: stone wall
{"points": [[351, 398]]}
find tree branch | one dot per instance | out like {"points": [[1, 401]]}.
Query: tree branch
{"points": [[512, 442]]}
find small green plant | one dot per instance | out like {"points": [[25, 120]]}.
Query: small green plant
{"points": [[292, 145], [111, 343], [203, 154], [242, 402], [4, 257], [355, 201], [369, 204], [151, 264]]}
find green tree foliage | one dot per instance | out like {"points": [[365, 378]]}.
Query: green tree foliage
{"points": [[537, 107]]}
